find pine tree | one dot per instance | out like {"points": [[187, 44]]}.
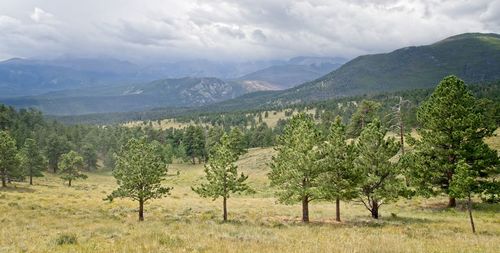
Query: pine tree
{"points": [[381, 182], [71, 165], [454, 125], [139, 171], [340, 179], [294, 170], [9, 164], [237, 141], [194, 142], [463, 185], [364, 114], [32, 160], [89, 155], [56, 146], [221, 174]]}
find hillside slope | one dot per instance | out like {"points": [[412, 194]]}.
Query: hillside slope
{"points": [[473, 57]]}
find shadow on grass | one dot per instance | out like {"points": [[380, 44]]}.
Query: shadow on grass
{"points": [[358, 221], [16, 188], [462, 206]]}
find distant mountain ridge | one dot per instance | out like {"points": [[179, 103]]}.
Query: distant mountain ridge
{"points": [[181, 92], [296, 71], [28, 77]]}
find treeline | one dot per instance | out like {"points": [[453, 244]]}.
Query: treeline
{"points": [[319, 157], [244, 117], [27, 132], [355, 162]]}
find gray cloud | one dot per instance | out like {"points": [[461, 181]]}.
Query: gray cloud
{"points": [[223, 29]]}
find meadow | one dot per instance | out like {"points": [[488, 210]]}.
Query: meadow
{"points": [[51, 217]]}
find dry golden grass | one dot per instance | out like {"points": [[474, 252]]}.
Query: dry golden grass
{"points": [[163, 124], [34, 219]]}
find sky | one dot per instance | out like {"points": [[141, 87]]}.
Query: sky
{"points": [[159, 30]]}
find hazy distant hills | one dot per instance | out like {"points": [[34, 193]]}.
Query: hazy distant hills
{"points": [[182, 92], [66, 86], [296, 71], [27, 77]]}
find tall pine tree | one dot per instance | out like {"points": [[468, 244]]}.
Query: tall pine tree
{"points": [[453, 128], [294, 170], [139, 171], [32, 160], [221, 174], [9, 164], [340, 179], [382, 181]]}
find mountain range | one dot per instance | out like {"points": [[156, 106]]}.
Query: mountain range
{"points": [[474, 57]]}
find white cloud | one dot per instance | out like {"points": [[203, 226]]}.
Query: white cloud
{"points": [[40, 15], [225, 29]]}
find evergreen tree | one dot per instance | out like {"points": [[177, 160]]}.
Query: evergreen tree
{"points": [[56, 146], [71, 165], [32, 160], [221, 174], [139, 171], [381, 181], [9, 164], [454, 125], [213, 138], [194, 142], [463, 185], [89, 155], [237, 141], [364, 114], [294, 170], [340, 179]]}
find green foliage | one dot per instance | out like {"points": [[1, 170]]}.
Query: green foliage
{"points": [[237, 142], [464, 181], [340, 178], [294, 171], [221, 173], [194, 142], [454, 125], [364, 114], [71, 165], [9, 163], [89, 154], [66, 238], [139, 172], [56, 145], [32, 160], [381, 181]]}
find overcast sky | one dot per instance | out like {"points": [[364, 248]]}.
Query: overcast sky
{"points": [[148, 30]]}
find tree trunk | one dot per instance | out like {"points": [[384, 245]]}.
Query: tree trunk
{"points": [[4, 181], [305, 209], [69, 183], [337, 209], [224, 208], [374, 209], [193, 160], [31, 180], [141, 210], [469, 208], [452, 202]]}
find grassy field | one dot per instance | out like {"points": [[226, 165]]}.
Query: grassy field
{"points": [[51, 217]]}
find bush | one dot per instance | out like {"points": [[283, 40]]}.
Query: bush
{"points": [[66, 239]]}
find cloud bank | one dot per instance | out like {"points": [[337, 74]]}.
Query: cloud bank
{"points": [[159, 30]]}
